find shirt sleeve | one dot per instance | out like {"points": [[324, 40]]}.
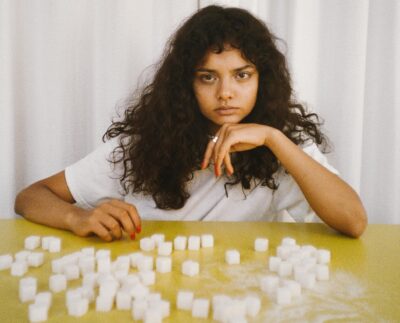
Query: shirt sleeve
{"points": [[288, 202], [94, 178]]}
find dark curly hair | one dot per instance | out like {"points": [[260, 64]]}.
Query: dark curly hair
{"points": [[163, 135]]}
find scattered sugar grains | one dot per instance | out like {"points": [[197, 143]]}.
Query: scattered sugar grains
{"points": [[111, 284]]}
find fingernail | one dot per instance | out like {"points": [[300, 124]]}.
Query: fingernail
{"points": [[138, 229], [216, 170], [203, 165], [133, 236]]}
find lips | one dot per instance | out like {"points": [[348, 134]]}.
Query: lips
{"points": [[226, 110]]}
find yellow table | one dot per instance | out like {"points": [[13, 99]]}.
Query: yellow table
{"points": [[364, 284]]}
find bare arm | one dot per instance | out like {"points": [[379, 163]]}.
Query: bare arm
{"points": [[335, 202], [50, 202]]}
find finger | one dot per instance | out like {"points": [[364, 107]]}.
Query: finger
{"points": [[99, 230], [111, 225], [224, 150], [218, 156], [121, 215], [228, 164], [132, 213], [209, 152]]}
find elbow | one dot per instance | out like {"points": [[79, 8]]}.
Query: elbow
{"points": [[358, 222], [18, 203]]}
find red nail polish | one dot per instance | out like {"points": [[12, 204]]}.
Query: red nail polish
{"points": [[216, 170], [133, 236], [138, 229]]}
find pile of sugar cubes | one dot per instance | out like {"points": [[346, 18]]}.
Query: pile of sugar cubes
{"points": [[295, 267], [125, 281]]}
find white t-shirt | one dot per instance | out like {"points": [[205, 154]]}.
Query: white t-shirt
{"points": [[94, 179]]}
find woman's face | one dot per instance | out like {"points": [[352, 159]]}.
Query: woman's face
{"points": [[225, 85]]}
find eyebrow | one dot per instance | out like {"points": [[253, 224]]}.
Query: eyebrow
{"points": [[202, 69]]}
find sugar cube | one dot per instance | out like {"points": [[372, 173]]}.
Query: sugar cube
{"points": [[261, 244], [273, 263], [294, 286], [19, 268], [57, 283], [44, 298], [108, 288], [284, 252], [87, 264], [55, 245], [207, 241], [190, 268], [322, 272], [152, 316], [71, 295], [104, 303], [89, 279], [22, 255], [153, 297], [130, 280], [6, 261], [283, 296], [180, 243], [308, 250], [285, 269], [139, 291], [194, 243], [184, 300], [38, 312], [103, 253], [88, 251], [323, 256], [27, 289], [71, 272], [134, 257], [253, 305], [165, 248], [145, 263], [159, 306], [232, 257], [46, 242], [57, 266], [87, 292], [35, 259], [123, 300], [139, 307], [103, 264], [307, 280], [269, 284], [147, 277], [147, 244], [158, 238], [200, 307], [287, 241], [163, 264], [32, 242], [78, 307]]}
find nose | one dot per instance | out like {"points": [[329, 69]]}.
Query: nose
{"points": [[225, 90]]}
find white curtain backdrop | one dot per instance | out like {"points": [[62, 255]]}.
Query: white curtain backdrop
{"points": [[66, 65]]}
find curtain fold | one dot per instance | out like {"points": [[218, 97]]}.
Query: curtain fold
{"points": [[66, 67]]}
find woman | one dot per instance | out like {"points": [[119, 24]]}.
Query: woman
{"points": [[215, 136]]}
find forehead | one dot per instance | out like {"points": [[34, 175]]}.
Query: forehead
{"points": [[228, 58]]}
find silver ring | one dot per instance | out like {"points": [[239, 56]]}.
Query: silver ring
{"points": [[214, 139]]}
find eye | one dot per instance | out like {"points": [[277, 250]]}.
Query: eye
{"points": [[207, 78], [242, 75]]}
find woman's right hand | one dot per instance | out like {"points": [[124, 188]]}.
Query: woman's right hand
{"points": [[107, 221]]}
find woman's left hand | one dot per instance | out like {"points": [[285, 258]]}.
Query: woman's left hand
{"points": [[233, 138]]}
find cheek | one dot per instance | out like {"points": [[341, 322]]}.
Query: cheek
{"points": [[202, 96]]}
